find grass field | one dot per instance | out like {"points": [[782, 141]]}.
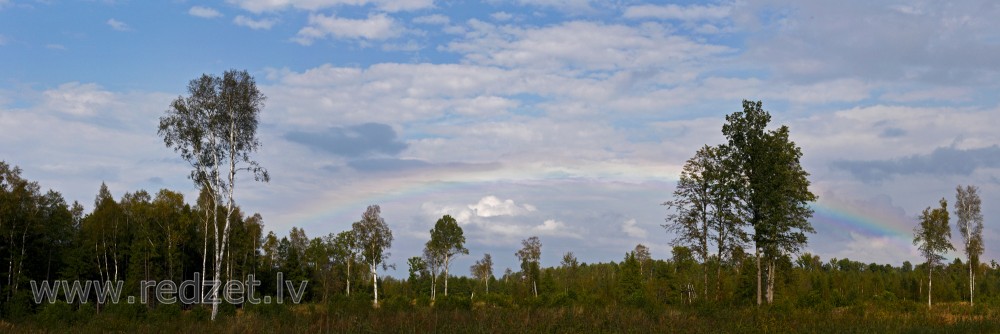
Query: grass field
{"points": [[905, 317]]}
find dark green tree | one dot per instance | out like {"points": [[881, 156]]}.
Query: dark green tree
{"points": [[771, 187]]}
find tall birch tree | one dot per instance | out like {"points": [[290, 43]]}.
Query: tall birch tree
{"points": [[374, 239], [931, 236], [969, 213], [215, 130]]}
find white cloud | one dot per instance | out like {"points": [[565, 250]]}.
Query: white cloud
{"points": [[937, 43], [118, 25], [204, 12], [676, 12], [878, 249], [491, 206], [461, 214], [260, 6], [501, 16], [58, 47], [435, 19], [552, 227], [632, 229], [264, 24], [375, 27], [96, 134], [78, 99], [3, 40], [581, 45]]}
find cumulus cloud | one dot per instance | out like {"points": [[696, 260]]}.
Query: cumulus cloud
{"points": [[555, 228], [260, 24], [502, 16], [204, 12], [632, 229], [491, 206], [78, 99], [877, 249], [375, 27], [118, 25]]}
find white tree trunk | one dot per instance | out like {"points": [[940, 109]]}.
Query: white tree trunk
{"points": [[930, 283], [972, 282], [375, 283]]}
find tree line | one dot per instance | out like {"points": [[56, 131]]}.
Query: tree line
{"points": [[139, 236], [740, 210]]}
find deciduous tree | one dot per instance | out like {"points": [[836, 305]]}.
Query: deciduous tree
{"points": [[215, 130], [932, 237], [374, 239], [969, 213], [771, 188], [447, 240], [529, 254], [483, 269]]}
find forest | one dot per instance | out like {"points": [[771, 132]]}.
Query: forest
{"points": [[740, 214]]}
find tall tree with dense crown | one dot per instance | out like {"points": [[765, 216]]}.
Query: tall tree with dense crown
{"points": [[215, 131], [447, 240], [968, 211], [931, 236], [771, 188], [374, 238]]}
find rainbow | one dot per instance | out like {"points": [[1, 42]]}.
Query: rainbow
{"points": [[336, 208], [347, 201], [861, 219]]}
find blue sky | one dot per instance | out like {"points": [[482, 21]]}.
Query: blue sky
{"points": [[566, 119]]}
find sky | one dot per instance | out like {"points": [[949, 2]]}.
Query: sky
{"points": [[563, 119]]}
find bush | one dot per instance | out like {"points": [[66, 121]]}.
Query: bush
{"points": [[395, 303], [201, 313], [166, 311], [270, 310], [497, 300], [127, 311], [453, 303], [56, 314]]}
